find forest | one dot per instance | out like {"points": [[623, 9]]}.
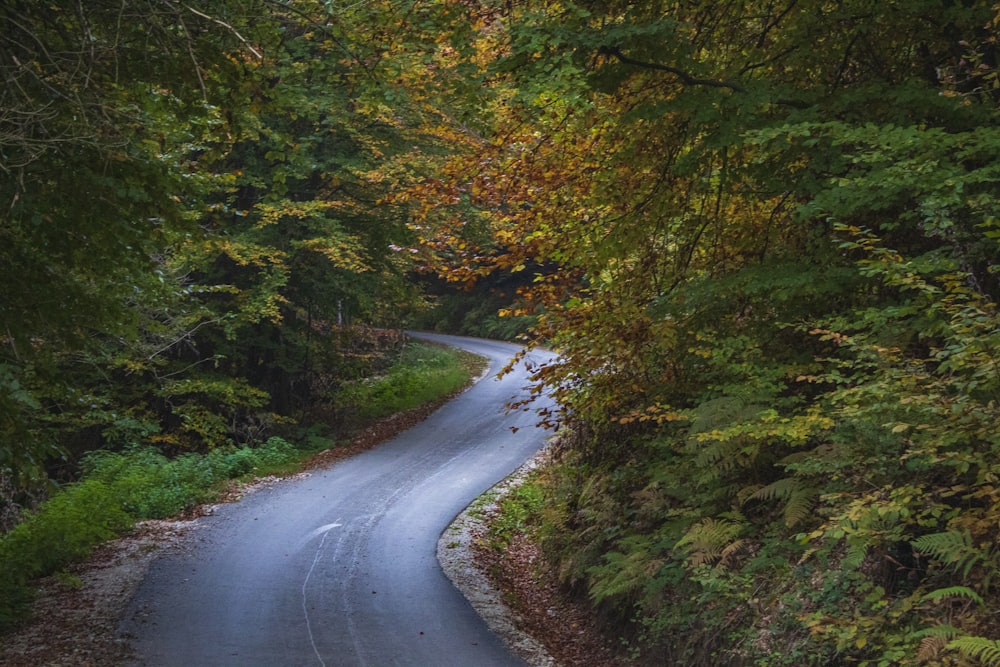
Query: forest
{"points": [[762, 236]]}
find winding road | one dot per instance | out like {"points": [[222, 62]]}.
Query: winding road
{"points": [[339, 568]]}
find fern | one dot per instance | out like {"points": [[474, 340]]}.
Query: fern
{"points": [[987, 651], [931, 648], [952, 548], [797, 496], [821, 460], [780, 489], [857, 550], [954, 592], [730, 551], [717, 457], [721, 412], [710, 541], [934, 640], [716, 437], [624, 573]]}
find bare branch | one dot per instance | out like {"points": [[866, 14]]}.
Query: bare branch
{"points": [[326, 31], [194, 61], [228, 27], [688, 79], [685, 77]]}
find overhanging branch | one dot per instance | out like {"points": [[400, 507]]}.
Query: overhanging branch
{"points": [[687, 78]]}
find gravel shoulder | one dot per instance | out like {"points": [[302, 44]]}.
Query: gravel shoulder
{"points": [[517, 593], [456, 552]]}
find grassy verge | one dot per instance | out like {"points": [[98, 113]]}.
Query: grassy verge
{"points": [[117, 489], [425, 373]]}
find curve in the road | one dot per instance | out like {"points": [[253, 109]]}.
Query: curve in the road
{"points": [[339, 568]]}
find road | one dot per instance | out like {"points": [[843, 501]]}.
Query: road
{"points": [[339, 568]]}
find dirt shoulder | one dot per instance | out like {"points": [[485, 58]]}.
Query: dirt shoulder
{"points": [[75, 616]]}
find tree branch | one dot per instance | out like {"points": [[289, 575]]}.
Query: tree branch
{"points": [[685, 77], [228, 27]]}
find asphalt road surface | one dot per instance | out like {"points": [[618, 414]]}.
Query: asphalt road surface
{"points": [[339, 568]]}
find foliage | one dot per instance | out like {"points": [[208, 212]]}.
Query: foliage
{"points": [[191, 219], [483, 311], [101, 108], [986, 651], [762, 238]]}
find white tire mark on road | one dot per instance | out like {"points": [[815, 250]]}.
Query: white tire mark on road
{"points": [[322, 530]]}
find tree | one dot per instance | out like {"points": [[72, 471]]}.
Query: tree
{"points": [[195, 194], [766, 232], [103, 107]]}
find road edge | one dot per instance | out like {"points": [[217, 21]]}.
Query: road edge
{"points": [[456, 556]]}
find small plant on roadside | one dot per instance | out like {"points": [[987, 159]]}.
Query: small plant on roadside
{"points": [[515, 513]]}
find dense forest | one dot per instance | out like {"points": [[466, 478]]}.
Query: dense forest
{"points": [[761, 235]]}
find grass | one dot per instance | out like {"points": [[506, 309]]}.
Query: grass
{"points": [[117, 489], [424, 373]]}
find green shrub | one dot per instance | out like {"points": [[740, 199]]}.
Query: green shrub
{"points": [[65, 529]]}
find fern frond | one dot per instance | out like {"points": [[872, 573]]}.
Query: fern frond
{"points": [[947, 547], [705, 541], [781, 489], [716, 453], [719, 413], [799, 506], [855, 555], [941, 630], [730, 551], [987, 651], [931, 647], [748, 493], [715, 434], [954, 592], [622, 573], [934, 640], [952, 548], [797, 496]]}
